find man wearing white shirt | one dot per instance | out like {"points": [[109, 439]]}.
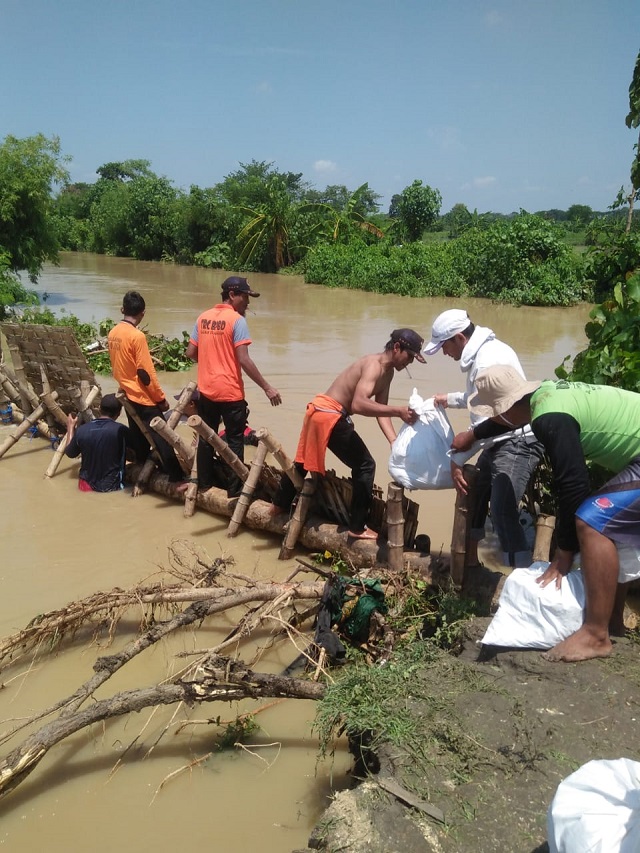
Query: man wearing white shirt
{"points": [[504, 469]]}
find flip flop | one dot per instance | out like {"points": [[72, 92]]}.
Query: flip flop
{"points": [[366, 534]]}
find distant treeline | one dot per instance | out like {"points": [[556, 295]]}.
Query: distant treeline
{"points": [[263, 219]]}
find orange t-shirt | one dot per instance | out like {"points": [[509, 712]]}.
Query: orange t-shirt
{"points": [[129, 353], [217, 333]]}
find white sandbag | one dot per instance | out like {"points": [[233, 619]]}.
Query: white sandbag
{"points": [[533, 617], [629, 560], [419, 455], [597, 809]]}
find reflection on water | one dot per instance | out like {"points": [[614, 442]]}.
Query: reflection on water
{"points": [[60, 545]]}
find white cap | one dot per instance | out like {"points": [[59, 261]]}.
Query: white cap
{"points": [[445, 326]]}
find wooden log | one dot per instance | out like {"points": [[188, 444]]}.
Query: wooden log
{"points": [[9, 388], [545, 527], [299, 516], [184, 452], [461, 524], [192, 489], [395, 526], [20, 430], [248, 489], [219, 445], [316, 534], [275, 448]]}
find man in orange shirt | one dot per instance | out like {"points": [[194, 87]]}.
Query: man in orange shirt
{"points": [[220, 344], [133, 370]]}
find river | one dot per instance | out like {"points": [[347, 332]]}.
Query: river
{"points": [[104, 787]]}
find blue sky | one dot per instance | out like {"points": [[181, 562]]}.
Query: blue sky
{"points": [[500, 105]]}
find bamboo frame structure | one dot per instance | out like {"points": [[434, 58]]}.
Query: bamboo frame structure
{"points": [[219, 445], [248, 489], [395, 526], [300, 514]]}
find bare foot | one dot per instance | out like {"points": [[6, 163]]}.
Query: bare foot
{"points": [[582, 645], [275, 510], [181, 488], [365, 534]]}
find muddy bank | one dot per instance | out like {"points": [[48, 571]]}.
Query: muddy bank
{"points": [[492, 734]]}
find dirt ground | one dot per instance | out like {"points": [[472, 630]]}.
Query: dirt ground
{"points": [[492, 753]]}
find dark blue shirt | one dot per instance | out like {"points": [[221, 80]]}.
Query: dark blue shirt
{"points": [[102, 444]]}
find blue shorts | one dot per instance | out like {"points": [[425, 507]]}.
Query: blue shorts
{"points": [[614, 510]]}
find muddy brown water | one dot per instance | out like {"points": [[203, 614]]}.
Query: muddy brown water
{"points": [[104, 787]]}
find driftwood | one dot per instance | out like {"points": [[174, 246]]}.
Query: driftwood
{"points": [[208, 679]]}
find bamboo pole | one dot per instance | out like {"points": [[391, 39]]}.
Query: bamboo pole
{"points": [[173, 421], [461, 522], [248, 489], [20, 430], [41, 426], [545, 526], [275, 448], [191, 494], [184, 451], [299, 516], [395, 526], [219, 445], [120, 395], [9, 388], [84, 406], [84, 399]]}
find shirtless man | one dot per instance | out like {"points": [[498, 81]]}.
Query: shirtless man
{"points": [[361, 389]]}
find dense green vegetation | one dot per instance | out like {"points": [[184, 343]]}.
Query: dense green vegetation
{"points": [[260, 218]]}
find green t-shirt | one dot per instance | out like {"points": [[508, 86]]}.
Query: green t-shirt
{"points": [[609, 418]]}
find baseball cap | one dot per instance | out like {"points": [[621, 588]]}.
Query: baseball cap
{"points": [[195, 396], [410, 340], [445, 326], [238, 285]]}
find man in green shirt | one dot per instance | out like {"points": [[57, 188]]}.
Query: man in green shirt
{"points": [[577, 423]]}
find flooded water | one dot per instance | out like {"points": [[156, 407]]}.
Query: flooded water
{"points": [[60, 545]]}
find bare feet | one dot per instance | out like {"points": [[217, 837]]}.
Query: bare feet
{"points": [[275, 510], [182, 487], [365, 534], [582, 645]]}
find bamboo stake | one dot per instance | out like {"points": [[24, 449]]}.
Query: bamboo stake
{"points": [[173, 421], [219, 445], [248, 489], [84, 407], [20, 430], [299, 517], [184, 451], [545, 526], [9, 388], [42, 426], [83, 400], [191, 494], [275, 448], [120, 395], [461, 522], [395, 526]]}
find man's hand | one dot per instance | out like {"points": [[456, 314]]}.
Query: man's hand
{"points": [[163, 405], [408, 415], [440, 400], [273, 396], [459, 481], [72, 423], [463, 441], [559, 567]]}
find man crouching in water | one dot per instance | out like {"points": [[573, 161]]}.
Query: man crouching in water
{"points": [[361, 389]]}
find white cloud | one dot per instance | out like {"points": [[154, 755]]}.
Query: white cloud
{"points": [[324, 166], [481, 183]]}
